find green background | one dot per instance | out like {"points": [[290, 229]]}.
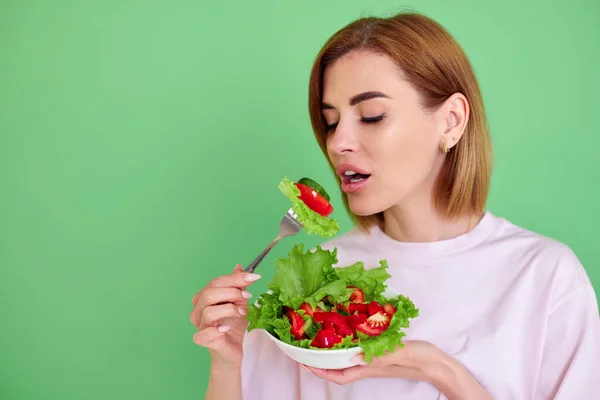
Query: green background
{"points": [[141, 144]]}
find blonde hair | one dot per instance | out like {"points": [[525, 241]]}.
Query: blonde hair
{"points": [[437, 67]]}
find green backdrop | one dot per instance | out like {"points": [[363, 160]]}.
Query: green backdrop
{"points": [[141, 144]]}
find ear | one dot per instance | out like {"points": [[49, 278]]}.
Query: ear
{"points": [[456, 114]]}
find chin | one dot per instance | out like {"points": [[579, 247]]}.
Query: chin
{"points": [[363, 208]]}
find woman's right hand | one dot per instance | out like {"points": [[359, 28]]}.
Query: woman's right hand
{"points": [[219, 314]]}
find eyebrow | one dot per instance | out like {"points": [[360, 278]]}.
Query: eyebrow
{"points": [[358, 99]]}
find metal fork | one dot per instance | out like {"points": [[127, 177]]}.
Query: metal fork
{"points": [[289, 226]]}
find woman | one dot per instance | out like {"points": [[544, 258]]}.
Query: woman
{"points": [[505, 313]]}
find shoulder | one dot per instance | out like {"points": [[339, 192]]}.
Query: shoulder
{"points": [[546, 255]]}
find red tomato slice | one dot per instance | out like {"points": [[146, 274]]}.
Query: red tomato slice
{"points": [[375, 307], [375, 325], [314, 200], [357, 296], [356, 319], [389, 309]]}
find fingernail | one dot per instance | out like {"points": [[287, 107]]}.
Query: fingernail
{"points": [[359, 360], [242, 311], [246, 294], [252, 277], [224, 328]]}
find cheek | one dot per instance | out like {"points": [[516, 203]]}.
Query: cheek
{"points": [[409, 158]]}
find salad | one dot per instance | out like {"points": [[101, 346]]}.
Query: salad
{"points": [[311, 304]]}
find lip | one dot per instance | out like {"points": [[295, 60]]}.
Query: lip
{"points": [[342, 168], [352, 187]]}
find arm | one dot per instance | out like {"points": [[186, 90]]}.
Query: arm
{"points": [[571, 357], [225, 383], [455, 382]]}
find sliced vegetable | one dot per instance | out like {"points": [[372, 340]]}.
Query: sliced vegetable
{"points": [[326, 338], [375, 324], [360, 308], [357, 295], [308, 310], [389, 309], [323, 306], [333, 317], [296, 323], [344, 330], [310, 328], [341, 309], [356, 319], [315, 186], [375, 307], [314, 200]]}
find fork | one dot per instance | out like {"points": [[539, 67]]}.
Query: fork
{"points": [[289, 226]]}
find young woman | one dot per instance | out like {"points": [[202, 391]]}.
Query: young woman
{"points": [[505, 313]]}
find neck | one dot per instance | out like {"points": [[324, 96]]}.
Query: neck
{"points": [[416, 223]]}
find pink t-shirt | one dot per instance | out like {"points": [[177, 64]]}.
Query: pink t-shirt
{"points": [[515, 308]]}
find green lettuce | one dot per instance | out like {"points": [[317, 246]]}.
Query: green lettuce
{"points": [[370, 281], [309, 276], [306, 277], [312, 222]]}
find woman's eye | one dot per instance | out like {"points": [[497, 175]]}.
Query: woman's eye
{"points": [[372, 120], [331, 127]]}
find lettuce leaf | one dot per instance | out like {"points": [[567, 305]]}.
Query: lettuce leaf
{"points": [[303, 276], [372, 281], [312, 222]]}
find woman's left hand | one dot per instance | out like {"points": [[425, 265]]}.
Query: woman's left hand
{"points": [[417, 360]]}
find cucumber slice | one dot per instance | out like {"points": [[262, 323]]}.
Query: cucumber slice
{"points": [[344, 313], [315, 186], [310, 328]]}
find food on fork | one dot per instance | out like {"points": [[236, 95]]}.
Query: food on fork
{"points": [[311, 204]]}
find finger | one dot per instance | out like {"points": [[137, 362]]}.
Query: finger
{"points": [[375, 361], [199, 314], [206, 336], [238, 279], [341, 376], [214, 296], [238, 268], [212, 315]]}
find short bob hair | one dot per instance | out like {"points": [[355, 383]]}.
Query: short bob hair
{"points": [[437, 67]]}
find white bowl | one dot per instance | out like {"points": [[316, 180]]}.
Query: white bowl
{"points": [[325, 358]]}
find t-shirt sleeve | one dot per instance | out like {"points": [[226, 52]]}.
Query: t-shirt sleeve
{"points": [[571, 357]]}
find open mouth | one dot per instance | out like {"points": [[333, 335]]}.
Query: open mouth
{"points": [[354, 177]]}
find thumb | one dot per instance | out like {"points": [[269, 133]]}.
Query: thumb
{"points": [[381, 361], [238, 268]]}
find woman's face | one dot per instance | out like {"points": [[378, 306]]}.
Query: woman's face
{"points": [[379, 130]]}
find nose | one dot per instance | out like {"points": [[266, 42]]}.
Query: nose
{"points": [[343, 139]]}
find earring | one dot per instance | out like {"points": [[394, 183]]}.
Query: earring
{"points": [[454, 139], [444, 147]]}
